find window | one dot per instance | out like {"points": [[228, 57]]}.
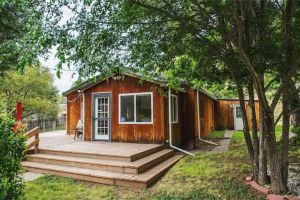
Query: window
{"points": [[174, 109], [127, 108], [143, 108], [136, 108], [238, 113]]}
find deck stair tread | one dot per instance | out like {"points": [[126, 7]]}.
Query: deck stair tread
{"points": [[143, 162], [124, 179], [111, 155]]}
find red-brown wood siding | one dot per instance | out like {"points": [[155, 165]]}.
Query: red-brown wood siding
{"points": [[142, 133], [225, 118], [207, 115], [73, 111]]}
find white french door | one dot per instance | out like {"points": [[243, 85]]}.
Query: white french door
{"points": [[102, 117], [238, 121]]}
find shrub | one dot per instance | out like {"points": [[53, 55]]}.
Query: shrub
{"points": [[297, 131], [12, 151]]}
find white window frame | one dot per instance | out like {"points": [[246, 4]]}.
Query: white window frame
{"points": [[176, 114], [134, 110]]}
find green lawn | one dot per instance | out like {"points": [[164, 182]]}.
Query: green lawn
{"points": [[217, 134], [206, 176]]}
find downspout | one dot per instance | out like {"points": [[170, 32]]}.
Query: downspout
{"points": [[199, 125], [83, 115], [170, 127], [67, 126]]}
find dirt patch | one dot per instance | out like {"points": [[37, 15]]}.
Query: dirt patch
{"points": [[203, 146]]}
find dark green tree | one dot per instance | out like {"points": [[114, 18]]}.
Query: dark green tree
{"points": [[23, 32]]}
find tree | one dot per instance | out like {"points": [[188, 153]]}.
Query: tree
{"points": [[236, 41], [34, 88], [23, 35]]}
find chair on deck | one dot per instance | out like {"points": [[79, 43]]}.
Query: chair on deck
{"points": [[79, 130]]}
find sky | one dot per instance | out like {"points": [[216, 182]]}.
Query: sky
{"points": [[68, 76]]}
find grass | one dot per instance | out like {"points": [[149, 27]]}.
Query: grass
{"points": [[217, 134], [206, 176]]}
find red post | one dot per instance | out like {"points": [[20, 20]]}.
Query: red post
{"points": [[19, 111]]}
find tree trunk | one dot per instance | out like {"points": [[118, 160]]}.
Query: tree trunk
{"points": [[262, 158], [263, 167], [254, 131], [245, 123], [285, 136], [277, 184], [288, 41]]}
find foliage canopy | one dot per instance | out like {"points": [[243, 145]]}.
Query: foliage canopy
{"points": [[34, 88]]}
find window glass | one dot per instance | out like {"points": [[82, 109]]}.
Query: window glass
{"points": [[143, 108], [127, 108], [238, 112]]}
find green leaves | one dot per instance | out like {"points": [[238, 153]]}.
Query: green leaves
{"points": [[34, 88], [12, 147], [22, 33]]}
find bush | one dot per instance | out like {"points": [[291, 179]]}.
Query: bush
{"points": [[297, 131], [12, 151]]}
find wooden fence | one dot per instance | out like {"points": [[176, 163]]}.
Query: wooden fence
{"points": [[35, 143]]}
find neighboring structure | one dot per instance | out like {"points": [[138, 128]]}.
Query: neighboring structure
{"points": [[127, 107], [230, 116]]}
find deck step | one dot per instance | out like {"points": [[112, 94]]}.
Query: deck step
{"points": [[81, 154], [135, 167], [142, 180]]}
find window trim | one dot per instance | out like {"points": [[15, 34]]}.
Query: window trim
{"points": [[176, 121], [134, 110]]}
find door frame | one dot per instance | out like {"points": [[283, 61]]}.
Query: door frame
{"points": [[94, 96]]}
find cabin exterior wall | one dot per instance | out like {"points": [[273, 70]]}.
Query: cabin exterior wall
{"points": [[141, 133], [74, 101], [214, 114]]}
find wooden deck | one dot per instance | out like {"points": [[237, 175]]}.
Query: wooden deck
{"points": [[126, 164]]}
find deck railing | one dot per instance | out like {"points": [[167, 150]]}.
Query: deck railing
{"points": [[35, 143]]}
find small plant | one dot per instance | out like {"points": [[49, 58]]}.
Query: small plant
{"points": [[12, 148]]}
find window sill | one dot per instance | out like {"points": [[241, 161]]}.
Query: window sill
{"points": [[136, 123]]}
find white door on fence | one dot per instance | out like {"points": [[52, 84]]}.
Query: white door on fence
{"points": [[238, 121], [102, 117]]}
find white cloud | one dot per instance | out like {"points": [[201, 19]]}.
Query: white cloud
{"points": [[68, 76]]}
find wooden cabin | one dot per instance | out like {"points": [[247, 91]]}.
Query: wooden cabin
{"points": [[127, 107]]}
